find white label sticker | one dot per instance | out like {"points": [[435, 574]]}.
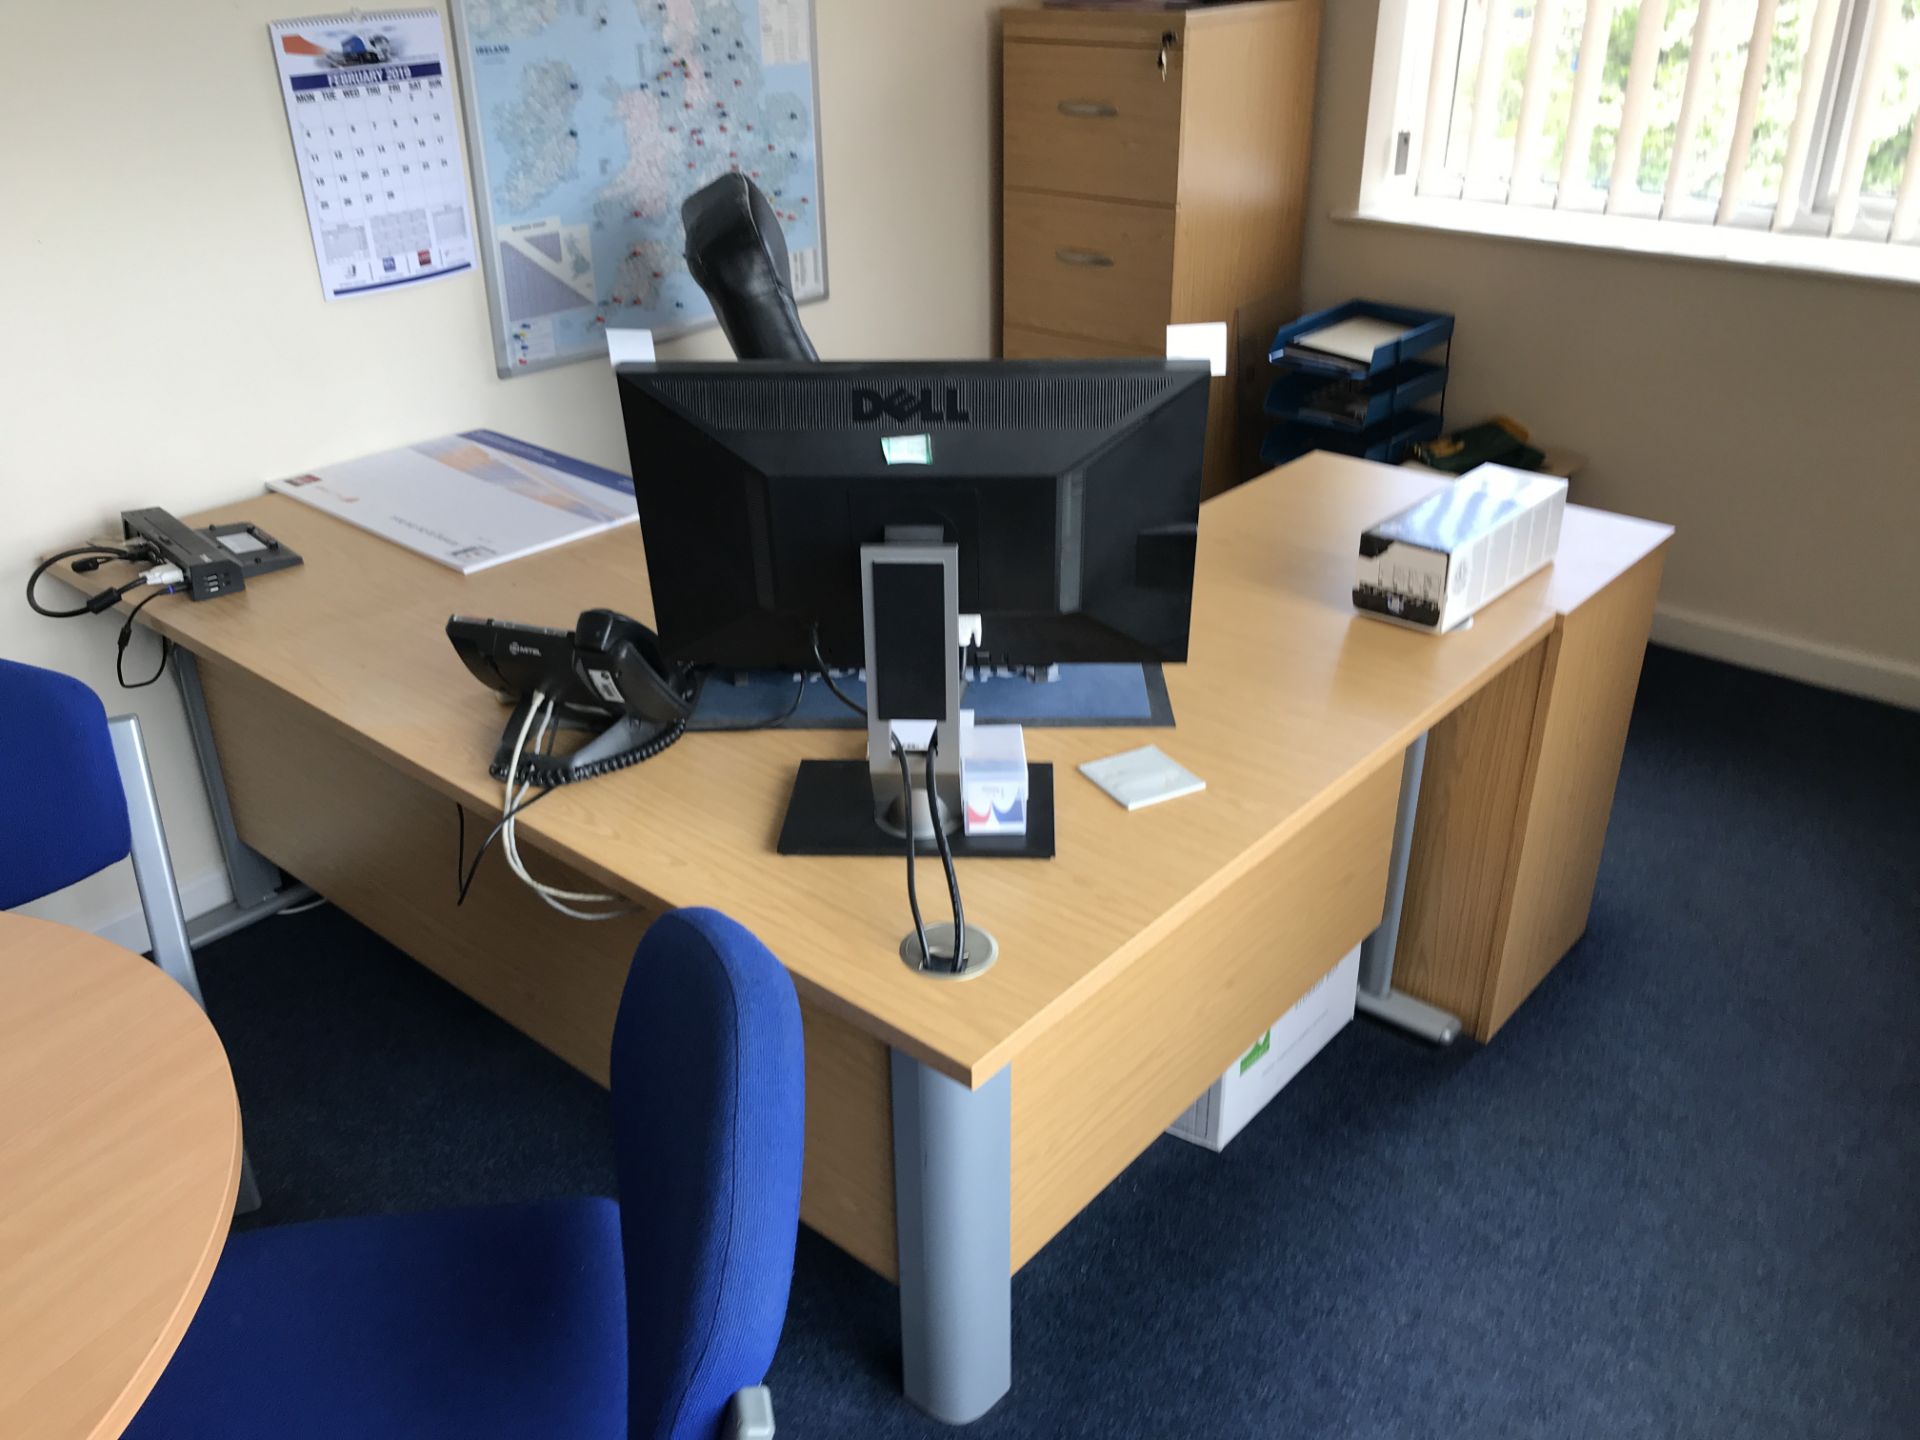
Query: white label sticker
{"points": [[630, 346], [1206, 341], [907, 449], [602, 681]]}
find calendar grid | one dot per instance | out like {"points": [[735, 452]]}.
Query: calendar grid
{"points": [[375, 130]]}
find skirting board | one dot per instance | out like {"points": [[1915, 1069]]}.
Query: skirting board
{"points": [[1832, 667], [124, 924]]}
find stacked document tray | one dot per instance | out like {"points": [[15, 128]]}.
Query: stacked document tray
{"points": [[1360, 379]]}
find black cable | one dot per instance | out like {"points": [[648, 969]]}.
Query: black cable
{"points": [[105, 600], [913, 892], [946, 859], [546, 771], [466, 884], [106, 556], [793, 708], [126, 636], [821, 665], [466, 881]]}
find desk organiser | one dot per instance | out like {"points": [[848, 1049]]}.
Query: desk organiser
{"points": [[1369, 407]]}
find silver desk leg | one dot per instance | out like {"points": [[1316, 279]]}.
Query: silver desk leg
{"points": [[152, 865], [159, 892], [1377, 996], [255, 879], [953, 1189]]}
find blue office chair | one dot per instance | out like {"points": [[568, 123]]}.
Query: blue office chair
{"points": [[653, 1318], [80, 798]]}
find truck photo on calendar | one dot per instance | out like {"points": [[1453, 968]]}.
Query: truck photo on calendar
{"points": [[376, 137]]}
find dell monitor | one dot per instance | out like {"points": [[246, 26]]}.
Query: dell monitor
{"points": [[1070, 488], [892, 513]]}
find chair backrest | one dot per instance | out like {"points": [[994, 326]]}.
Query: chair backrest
{"points": [[709, 1107], [66, 813], [738, 255]]}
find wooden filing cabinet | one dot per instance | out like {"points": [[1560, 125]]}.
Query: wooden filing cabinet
{"points": [[1155, 165]]}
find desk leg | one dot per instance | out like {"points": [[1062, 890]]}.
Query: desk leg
{"points": [[259, 889], [953, 1188], [1377, 996], [160, 891], [254, 877]]}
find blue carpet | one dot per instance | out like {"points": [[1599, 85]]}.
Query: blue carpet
{"points": [[1677, 1197]]}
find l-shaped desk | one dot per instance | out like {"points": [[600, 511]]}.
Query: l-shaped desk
{"points": [[954, 1128]]}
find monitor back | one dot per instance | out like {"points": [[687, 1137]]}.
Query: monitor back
{"points": [[1071, 489]]}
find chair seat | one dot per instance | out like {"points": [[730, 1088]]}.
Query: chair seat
{"points": [[505, 1321]]}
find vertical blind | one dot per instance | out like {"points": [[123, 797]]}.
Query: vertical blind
{"points": [[1791, 115]]}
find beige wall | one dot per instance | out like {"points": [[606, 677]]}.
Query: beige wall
{"points": [[166, 343], [1773, 418]]}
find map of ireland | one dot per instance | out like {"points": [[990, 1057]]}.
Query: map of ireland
{"points": [[591, 120]]}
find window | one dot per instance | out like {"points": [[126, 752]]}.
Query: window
{"points": [[1739, 125]]}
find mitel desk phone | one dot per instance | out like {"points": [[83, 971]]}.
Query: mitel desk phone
{"points": [[606, 674]]}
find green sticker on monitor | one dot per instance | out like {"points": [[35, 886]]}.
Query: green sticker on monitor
{"points": [[907, 449]]}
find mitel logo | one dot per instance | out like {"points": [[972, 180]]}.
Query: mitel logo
{"points": [[903, 404]]}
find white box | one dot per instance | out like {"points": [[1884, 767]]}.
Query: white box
{"points": [[993, 777], [1274, 1059], [1435, 563]]}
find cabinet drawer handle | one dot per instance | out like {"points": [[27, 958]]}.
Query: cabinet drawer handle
{"points": [[1092, 258], [1089, 109]]}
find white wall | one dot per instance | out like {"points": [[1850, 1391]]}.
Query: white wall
{"points": [[1773, 418], [166, 344]]}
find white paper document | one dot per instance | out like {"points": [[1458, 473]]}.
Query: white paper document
{"points": [[376, 134], [1354, 339], [471, 500], [1205, 341], [629, 347]]}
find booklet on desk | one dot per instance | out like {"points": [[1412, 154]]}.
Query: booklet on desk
{"points": [[471, 500]]}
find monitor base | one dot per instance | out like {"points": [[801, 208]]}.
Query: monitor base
{"points": [[831, 813]]}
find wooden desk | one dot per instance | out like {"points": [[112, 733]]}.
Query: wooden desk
{"points": [[119, 1162], [1133, 967]]}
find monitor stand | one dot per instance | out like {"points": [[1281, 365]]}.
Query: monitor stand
{"points": [[910, 595]]}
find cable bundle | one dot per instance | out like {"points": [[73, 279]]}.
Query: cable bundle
{"points": [[164, 578], [565, 901]]}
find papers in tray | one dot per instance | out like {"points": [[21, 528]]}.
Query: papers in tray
{"points": [[1352, 340]]}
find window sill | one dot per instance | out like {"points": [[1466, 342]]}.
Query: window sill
{"points": [[1669, 239]]}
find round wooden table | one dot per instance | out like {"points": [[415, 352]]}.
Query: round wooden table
{"points": [[119, 1161]]}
